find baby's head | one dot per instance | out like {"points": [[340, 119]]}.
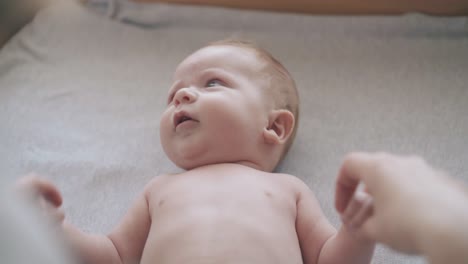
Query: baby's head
{"points": [[231, 102]]}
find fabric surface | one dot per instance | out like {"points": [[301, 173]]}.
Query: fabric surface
{"points": [[81, 96]]}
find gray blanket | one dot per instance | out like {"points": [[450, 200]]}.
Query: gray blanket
{"points": [[81, 95]]}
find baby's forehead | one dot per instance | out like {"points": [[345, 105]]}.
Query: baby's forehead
{"points": [[224, 56]]}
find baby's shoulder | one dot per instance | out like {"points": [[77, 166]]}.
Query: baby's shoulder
{"points": [[156, 183], [292, 181]]}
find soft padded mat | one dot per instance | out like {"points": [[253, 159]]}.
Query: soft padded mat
{"points": [[81, 95]]}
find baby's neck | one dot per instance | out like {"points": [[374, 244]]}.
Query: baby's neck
{"points": [[245, 163], [251, 165]]}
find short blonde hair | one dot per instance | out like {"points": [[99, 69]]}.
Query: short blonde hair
{"points": [[282, 86]]}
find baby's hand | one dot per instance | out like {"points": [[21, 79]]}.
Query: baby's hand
{"points": [[43, 194], [358, 210]]}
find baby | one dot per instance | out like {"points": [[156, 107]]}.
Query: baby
{"points": [[231, 116]]}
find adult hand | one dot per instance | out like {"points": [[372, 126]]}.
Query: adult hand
{"points": [[414, 205], [43, 194]]}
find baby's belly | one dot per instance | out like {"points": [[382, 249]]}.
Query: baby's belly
{"points": [[209, 235]]}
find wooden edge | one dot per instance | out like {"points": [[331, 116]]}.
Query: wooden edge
{"points": [[339, 7]]}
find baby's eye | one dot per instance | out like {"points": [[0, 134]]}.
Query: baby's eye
{"points": [[214, 82], [170, 98]]}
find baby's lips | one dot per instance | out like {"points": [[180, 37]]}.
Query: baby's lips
{"points": [[181, 115]]}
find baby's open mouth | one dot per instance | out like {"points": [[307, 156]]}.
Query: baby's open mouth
{"points": [[182, 117]]}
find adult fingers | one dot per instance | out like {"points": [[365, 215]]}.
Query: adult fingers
{"points": [[41, 187], [355, 168], [353, 207], [50, 211], [369, 229], [364, 212]]}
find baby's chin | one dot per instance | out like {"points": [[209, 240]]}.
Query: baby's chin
{"points": [[190, 160], [186, 165], [190, 164]]}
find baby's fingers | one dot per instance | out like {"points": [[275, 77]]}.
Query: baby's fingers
{"points": [[363, 213], [354, 208]]}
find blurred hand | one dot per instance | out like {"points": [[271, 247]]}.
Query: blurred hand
{"points": [[357, 211], [43, 194], [411, 202]]}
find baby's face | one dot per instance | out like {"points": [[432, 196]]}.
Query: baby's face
{"points": [[216, 108]]}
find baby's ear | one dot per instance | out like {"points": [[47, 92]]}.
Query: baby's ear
{"points": [[280, 127]]}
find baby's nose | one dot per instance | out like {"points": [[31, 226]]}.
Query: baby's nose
{"points": [[184, 96]]}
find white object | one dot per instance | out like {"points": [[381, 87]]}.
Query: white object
{"points": [[25, 236]]}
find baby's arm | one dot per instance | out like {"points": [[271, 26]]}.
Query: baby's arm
{"points": [[320, 242], [91, 248], [343, 247], [124, 244]]}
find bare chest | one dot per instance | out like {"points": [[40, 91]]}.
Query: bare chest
{"points": [[224, 192], [215, 215]]}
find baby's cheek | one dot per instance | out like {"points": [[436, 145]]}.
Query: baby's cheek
{"points": [[164, 128], [164, 121]]}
